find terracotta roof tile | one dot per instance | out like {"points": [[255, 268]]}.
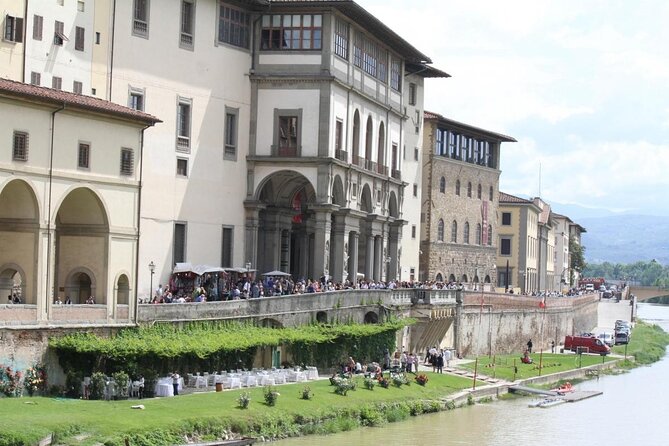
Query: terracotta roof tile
{"points": [[432, 116], [73, 100], [508, 198]]}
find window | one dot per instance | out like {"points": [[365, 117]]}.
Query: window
{"points": [[454, 232], [469, 189], [479, 191], [179, 245], [182, 167], [13, 29], [505, 247], [395, 74], [77, 87], [83, 160], [489, 235], [506, 218], [369, 56], [287, 137], [291, 32], [81, 6], [233, 26], [226, 246], [127, 161], [93, 91], [415, 154], [479, 234], [415, 190], [38, 24], [440, 230], [230, 151], [79, 33], [341, 38], [97, 38], [136, 98], [56, 83], [413, 231], [35, 78], [490, 194], [339, 132], [20, 146], [59, 33], [183, 124], [140, 18], [60, 2], [442, 185], [187, 24], [457, 187], [412, 94], [465, 233]]}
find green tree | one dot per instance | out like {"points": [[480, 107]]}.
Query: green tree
{"points": [[577, 258]]}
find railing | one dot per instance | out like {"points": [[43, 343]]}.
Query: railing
{"points": [[358, 161], [341, 155], [370, 165], [397, 174], [383, 170]]}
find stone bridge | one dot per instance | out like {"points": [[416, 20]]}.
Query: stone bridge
{"points": [[648, 292]]}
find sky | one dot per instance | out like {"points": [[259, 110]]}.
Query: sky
{"points": [[582, 85]]}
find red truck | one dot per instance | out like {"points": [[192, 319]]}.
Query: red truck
{"points": [[586, 344]]}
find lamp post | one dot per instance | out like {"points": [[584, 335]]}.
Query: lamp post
{"points": [[152, 268]]}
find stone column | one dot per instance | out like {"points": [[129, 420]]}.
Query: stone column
{"points": [[251, 232], [394, 235], [321, 254], [378, 257], [353, 256], [46, 274], [369, 257], [339, 250]]}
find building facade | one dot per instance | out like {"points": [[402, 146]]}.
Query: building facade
{"points": [[460, 189], [69, 205]]}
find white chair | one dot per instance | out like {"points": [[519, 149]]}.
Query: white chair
{"points": [[267, 380], [249, 381], [191, 380], [279, 378], [211, 381]]}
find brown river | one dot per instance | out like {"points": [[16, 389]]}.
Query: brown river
{"points": [[633, 410]]}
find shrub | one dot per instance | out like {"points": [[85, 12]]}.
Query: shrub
{"points": [[97, 387], [73, 381], [398, 412], [422, 379], [243, 400], [398, 380], [306, 393], [271, 395], [369, 383], [383, 382], [343, 385], [121, 381], [10, 381], [371, 416], [35, 379]]}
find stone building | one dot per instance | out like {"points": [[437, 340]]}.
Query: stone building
{"points": [[460, 187], [69, 205]]}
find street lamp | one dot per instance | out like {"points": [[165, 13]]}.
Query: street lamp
{"points": [[152, 268]]}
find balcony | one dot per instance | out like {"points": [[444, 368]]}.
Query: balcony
{"points": [[383, 170], [397, 174], [341, 155], [370, 165], [358, 161]]}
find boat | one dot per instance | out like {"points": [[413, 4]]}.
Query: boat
{"points": [[564, 388], [547, 402]]}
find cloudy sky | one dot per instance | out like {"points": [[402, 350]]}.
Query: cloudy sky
{"points": [[582, 85]]}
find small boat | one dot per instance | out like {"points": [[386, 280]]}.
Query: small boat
{"points": [[564, 388], [547, 402]]}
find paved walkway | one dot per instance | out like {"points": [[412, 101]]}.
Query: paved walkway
{"points": [[609, 311]]}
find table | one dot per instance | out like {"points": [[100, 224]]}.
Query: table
{"points": [[312, 373], [164, 386]]}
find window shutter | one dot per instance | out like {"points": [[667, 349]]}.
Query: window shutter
{"points": [[18, 31]]}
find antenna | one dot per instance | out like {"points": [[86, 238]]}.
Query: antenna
{"points": [[539, 180]]}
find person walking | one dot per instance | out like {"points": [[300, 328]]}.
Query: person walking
{"points": [[175, 383], [529, 346]]}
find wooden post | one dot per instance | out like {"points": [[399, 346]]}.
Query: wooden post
{"points": [[476, 368]]}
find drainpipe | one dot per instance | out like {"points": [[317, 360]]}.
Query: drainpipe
{"points": [[457, 324], [139, 222], [25, 40], [49, 213], [111, 53]]}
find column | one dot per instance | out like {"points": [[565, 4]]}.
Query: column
{"points": [[353, 256], [393, 245], [369, 257], [321, 253], [378, 257], [251, 232], [339, 250]]}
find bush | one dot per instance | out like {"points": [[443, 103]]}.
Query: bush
{"points": [[383, 382], [369, 383], [399, 380], [121, 381], [243, 400], [10, 382], [306, 393], [422, 379], [343, 385], [98, 385], [73, 381], [271, 395]]}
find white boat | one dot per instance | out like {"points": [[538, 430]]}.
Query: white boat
{"points": [[547, 402]]}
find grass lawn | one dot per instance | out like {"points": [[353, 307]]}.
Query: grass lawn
{"points": [[551, 363], [25, 420]]}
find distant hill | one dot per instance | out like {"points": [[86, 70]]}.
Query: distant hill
{"points": [[625, 238]]}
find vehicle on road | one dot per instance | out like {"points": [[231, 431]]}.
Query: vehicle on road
{"points": [[586, 344], [589, 287], [607, 338], [622, 337]]}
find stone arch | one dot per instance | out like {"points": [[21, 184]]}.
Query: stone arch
{"points": [[479, 191], [338, 196], [12, 282], [366, 199], [464, 278], [451, 278], [457, 187], [270, 323], [279, 188], [82, 245], [486, 279], [442, 185], [475, 279], [440, 230], [371, 317], [80, 284], [356, 137], [469, 189], [122, 288], [439, 277], [369, 137], [392, 205], [19, 239], [322, 317]]}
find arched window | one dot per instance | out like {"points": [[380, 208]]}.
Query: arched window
{"points": [[440, 230], [439, 277], [465, 235], [442, 185], [491, 192], [489, 235], [469, 189], [457, 187], [381, 155], [368, 139], [454, 232], [479, 191], [478, 233], [356, 137]]}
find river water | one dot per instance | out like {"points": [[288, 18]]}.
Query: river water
{"points": [[632, 411]]}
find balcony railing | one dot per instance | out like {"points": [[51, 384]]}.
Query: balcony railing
{"points": [[341, 155], [287, 151], [370, 165], [358, 161], [383, 170], [396, 174]]}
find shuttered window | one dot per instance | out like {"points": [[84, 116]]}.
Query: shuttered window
{"points": [[20, 146], [127, 161], [179, 247], [79, 38], [226, 247]]}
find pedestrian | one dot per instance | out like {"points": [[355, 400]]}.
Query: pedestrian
{"points": [[552, 346], [439, 362], [175, 383], [447, 357], [410, 360], [529, 346]]}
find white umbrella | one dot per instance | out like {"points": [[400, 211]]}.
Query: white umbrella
{"points": [[276, 273]]}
